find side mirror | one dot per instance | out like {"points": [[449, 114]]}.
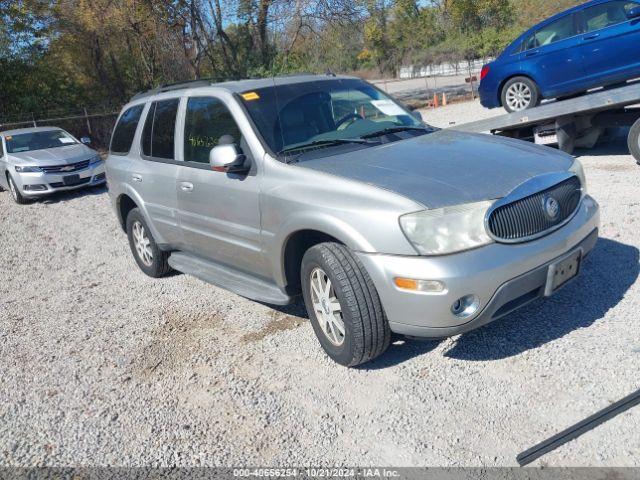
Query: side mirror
{"points": [[85, 140], [417, 115], [227, 158], [633, 13]]}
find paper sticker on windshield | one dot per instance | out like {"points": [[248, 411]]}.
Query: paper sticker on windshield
{"points": [[250, 96], [66, 140], [388, 107]]}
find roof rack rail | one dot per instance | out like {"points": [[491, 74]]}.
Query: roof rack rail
{"points": [[205, 82], [168, 87]]}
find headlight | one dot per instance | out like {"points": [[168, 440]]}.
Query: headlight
{"points": [[22, 169], [447, 230], [95, 159], [578, 170]]}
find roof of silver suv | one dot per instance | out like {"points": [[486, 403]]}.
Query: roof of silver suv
{"points": [[238, 86]]}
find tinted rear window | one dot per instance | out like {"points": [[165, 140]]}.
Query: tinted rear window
{"points": [[125, 130], [159, 130], [561, 29]]}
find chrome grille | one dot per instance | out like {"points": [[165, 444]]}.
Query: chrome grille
{"points": [[528, 217], [73, 167]]}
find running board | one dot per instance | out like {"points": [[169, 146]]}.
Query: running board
{"points": [[228, 278]]}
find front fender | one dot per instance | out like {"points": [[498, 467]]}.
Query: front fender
{"points": [[316, 221]]}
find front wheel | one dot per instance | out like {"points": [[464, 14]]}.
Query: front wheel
{"points": [[15, 191], [343, 305], [151, 260], [520, 93]]}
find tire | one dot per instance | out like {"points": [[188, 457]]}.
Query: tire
{"points": [[151, 260], [15, 191], [633, 141], [529, 96], [366, 330]]}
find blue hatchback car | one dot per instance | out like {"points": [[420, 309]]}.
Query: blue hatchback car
{"points": [[592, 45]]}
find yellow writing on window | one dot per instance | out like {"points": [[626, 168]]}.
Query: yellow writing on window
{"points": [[203, 142]]}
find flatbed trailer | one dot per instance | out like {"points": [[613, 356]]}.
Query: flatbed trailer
{"points": [[571, 123]]}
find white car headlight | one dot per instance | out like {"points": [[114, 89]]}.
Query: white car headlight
{"points": [[447, 230], [23, 169], [95, 159], [578, 170]]}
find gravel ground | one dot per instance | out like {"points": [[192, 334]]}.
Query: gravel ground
{"points": [[101, 365]]}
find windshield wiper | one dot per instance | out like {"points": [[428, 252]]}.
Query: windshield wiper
{"points": [[386, 131], [325, 143]]}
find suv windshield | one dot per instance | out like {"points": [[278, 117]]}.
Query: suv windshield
{"points": [[26, 142], [298, 116]]}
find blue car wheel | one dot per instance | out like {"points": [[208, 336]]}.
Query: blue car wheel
{"points": [[520, 93]]}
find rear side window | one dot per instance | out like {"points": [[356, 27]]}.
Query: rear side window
{"points": [[208, 123], [158, 136], [561, 29], [125, 130], [607, 14]]}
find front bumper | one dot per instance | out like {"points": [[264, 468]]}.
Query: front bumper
{"points": [[35, 184], [503, 278]]}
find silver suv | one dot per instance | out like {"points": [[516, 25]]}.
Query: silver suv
{"points": [[38, 161], [324, 186]]}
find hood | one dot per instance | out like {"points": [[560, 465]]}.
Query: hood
{"points": [[55, 156], [446, 168]]}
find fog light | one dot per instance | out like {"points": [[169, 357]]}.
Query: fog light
{"points": [[427, 286], [465, 306], [35, 187]]}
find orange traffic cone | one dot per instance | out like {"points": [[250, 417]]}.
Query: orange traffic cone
{"points": [[444, 99], [436, 103]]}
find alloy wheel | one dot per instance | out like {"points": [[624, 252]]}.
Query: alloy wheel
{"points": [[142, 243], [519, 96], [327, 307], [13, 188]]}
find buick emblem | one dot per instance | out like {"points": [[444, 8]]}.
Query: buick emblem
{"points": [[551, 207]]}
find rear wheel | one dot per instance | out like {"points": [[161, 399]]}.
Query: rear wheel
{"points": [[343, 305], [520, 93], [634, 141], [15, 191], [150, 259]]}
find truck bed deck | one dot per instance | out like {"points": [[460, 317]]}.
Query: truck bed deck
{"points": [[592, 103]]}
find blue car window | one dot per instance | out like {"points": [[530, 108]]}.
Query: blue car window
{"points": [[554, 32], [607, 14]]}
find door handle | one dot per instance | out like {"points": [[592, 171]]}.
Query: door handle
{"points": [[186, 186], [136, 177], [591, 37], [531, 54]]}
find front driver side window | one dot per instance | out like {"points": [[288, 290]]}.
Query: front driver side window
{"points": [[208, 123]]}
